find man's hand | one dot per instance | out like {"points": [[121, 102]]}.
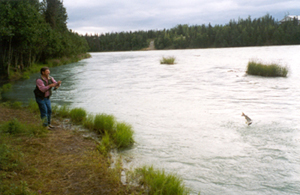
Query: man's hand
{"points": [[55, 84]]}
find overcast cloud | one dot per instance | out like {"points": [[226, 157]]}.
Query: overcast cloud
{"points": [[101, 16]]}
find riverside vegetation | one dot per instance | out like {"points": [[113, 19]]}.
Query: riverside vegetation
{"points": [[35, 32], [267, 70], [34, 160]]}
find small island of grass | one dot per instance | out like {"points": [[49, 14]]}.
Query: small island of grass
{"points": [[266, 70], [169, 60]]}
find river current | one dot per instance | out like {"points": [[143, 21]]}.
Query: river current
{"points": [[187, 117]]}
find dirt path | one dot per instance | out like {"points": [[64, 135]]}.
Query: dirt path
{"points": [[151, 45]]}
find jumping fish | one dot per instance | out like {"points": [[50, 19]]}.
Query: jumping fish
{"points": [[248, 119]]}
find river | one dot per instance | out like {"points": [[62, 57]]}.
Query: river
{"points": [[187, 117]]}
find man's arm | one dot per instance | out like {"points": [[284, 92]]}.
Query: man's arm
{"points": [[54, 81], [42, 87]]}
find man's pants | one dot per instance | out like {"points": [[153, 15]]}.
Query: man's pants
{"points": [[45, 109]]}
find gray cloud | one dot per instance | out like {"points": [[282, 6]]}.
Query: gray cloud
{"points": [[93, 16]]}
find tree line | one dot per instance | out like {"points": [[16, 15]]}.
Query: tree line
{"points": [[244, 32], [34, 32], [123, 41]]}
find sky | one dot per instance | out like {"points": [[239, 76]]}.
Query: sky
{"points": [[106, 16]]}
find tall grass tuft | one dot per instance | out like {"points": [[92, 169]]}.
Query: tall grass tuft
{"points": [[168, 60], [63, 111], [267, 70], [106, 144], [123, 136], [104, 122], [78, 115], [160, 183], [89, 122]]}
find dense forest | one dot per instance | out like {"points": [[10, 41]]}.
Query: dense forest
{"points": [[244, 32], [33, 32]]}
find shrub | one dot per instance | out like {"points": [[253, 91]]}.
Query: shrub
{"points": [[267, 70], [104, 122], [158, 182], [78, 115], [123, 135], [6, 87], [26, 75], [13, 127], [169, 60]]}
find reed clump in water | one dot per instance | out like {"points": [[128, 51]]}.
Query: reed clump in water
{"points": [[123, 135], [104, 122], [169, 60], [267, 70], [78, 115]]}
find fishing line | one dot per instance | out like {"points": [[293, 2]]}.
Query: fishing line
{"points": [[55, 88]]}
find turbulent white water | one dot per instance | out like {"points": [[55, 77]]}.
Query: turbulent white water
{"points": [[187, 117]]}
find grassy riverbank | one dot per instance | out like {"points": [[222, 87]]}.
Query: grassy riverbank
{"points": [[35, 160], [65, 160]]}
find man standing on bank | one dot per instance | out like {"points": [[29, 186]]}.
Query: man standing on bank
{"points": [[42, 93]]}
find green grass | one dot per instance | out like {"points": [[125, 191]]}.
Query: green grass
{"points": [[267, 70], [21, 188], [89, 122], [22, 148], [78, 115], [14, 127], [159, 183], [168, 60], [62, 111], [9, 158], [105, 145], [33, 106], [16, 105], [123, 136], [104, 122], [6, 87], [13, 104]]}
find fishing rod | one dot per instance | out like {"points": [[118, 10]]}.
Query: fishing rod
{"points": [[56, 87]]}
